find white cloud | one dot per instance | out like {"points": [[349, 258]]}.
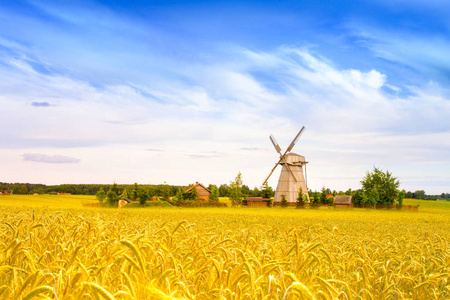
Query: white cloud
{"points": [[51, 159]]}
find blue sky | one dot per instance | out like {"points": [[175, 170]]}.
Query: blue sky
{"points": [[178, 92]]}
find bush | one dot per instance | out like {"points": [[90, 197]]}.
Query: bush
{"points": [[284, 202], [198, 203], [148, 204]]}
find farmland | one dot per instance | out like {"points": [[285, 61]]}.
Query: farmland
{"points": [[50, 246]]}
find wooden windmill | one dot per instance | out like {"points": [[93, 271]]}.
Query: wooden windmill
{"points": [[291, 177]]}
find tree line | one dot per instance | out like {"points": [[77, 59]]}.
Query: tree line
{"points": [[378, 187]]}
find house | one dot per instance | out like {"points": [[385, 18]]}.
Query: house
{"points": [[203, 192], [123, 202], [343, 201], [6, 192]]}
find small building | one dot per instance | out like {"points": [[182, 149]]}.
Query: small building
{"points": [[257, 202], [343, 201], [203, 192], [123, 202], [6, 192]]}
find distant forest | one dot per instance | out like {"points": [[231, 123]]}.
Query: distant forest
{"points": [[161, 189], [91, 189]]}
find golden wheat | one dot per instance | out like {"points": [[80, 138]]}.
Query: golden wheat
{"points": [[222, 253]]}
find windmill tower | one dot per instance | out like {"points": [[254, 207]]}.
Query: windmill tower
{"points": [[291, 177]]}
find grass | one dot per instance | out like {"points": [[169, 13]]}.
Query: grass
{"points": [[59, 250]]}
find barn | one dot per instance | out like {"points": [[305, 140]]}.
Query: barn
{"points": [[203, 192], [343, 201]]}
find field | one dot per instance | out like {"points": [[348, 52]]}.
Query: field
{"points": [[52, 247]]}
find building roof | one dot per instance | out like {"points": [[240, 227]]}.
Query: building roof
{"points": [[257, 199], [126, 199], [343, 199], [197, 184]]}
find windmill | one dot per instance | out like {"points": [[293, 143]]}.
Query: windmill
{"points": [[291, 177]]}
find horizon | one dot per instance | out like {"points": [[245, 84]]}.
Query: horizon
{"points": [[186, 91]]}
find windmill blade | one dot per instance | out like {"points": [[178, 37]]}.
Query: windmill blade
{"points": [[275, 144], [295, 140], [289, 169], [276, 165]]}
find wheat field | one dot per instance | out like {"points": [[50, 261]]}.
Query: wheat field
{"points": [[55, 251]]}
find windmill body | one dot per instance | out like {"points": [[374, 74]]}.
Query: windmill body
{"points": [[291, 177], [287, 185]]}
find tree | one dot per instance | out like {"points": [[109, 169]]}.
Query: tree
{"points": [[374, 197], [284, 202], [235, 190], [214, 193], [323, 196], [266, 191], [112, 197], [223, 190], [124, 194], [115, 189], [143, 196], [301, 198], [165, 192], [246, 190], [23, 189], [100, 195], [419, 194], [383, 183], [179, 196], [134, 191]]}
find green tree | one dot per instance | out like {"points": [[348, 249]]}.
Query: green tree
{"points": [[179, 196], [165, 192], [420, 194], [124, 194], [374, 197], [235, 190], [384, 183], [214, 193], [223, 190], [112, 198], [115, 189], [143, 196], [134, 191], [266, 191], [246, 190], [284, 202], [23, 189], [357, 197], [100, 195], [301, 198], [323, 196]]}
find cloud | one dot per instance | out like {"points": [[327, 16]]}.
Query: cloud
{"points": [[40, 104], [153, 150], [229, 107], [251, 149], [51, 159]]}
